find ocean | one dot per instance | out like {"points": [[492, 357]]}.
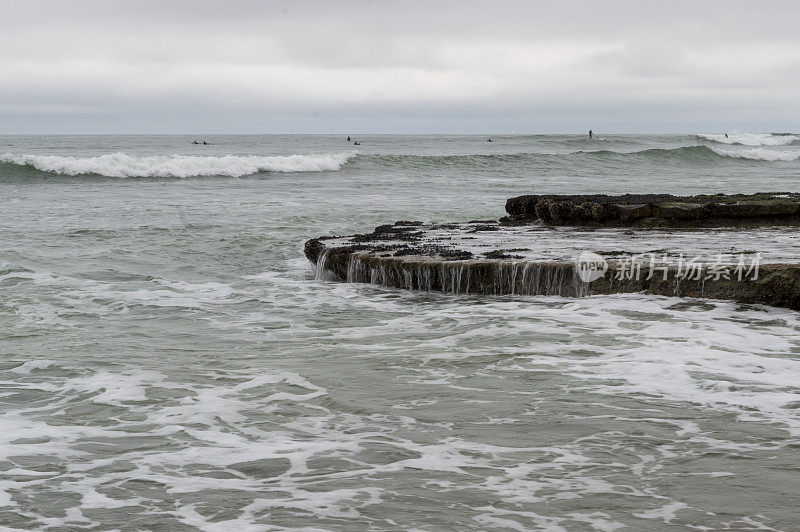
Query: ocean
{"points": [[168, 361]]}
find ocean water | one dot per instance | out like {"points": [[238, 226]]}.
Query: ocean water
{"points": [[168, 362]]}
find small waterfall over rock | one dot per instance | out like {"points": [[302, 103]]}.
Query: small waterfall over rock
{"points": [[466, 277], [321, 271]]}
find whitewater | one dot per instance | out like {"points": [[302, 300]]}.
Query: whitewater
{"points": [[123, 165], [168, 357], [751, 139]]}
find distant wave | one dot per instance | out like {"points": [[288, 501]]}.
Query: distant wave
{"points": [[699, 153], [751, 139], [123, 165], [686, 154]]}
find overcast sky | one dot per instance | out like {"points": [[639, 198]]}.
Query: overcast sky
{"points": [[359, 66]]}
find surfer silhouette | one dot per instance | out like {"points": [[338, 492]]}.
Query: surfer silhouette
{"points": [[348, 138], [489, 140], [590, 134], [726, 135]]}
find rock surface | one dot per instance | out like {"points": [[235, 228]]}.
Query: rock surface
{"points": [[656, 210], [525, 255]]}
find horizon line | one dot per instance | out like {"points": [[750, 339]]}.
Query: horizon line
{"points": [[471, 134]]}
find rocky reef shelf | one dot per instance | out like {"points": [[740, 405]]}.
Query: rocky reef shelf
{"points": [[657, 210], [524, 255]]}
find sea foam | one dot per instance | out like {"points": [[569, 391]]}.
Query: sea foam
{"points": [[751, 139], [123, 165]]}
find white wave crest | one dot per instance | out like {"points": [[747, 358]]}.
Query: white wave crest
{"points": [[123, 165], [751, 139], [760, 154]]}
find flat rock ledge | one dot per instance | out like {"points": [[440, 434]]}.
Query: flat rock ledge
{"points": [[656, 210], [526, 255]]}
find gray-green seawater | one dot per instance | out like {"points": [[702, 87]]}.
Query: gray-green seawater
{"points": [[168, 363]]}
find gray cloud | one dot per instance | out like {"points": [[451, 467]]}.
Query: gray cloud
{"points": [[397, 66]]}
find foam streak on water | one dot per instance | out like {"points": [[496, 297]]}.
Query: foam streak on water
{"points": [[168, 359]]}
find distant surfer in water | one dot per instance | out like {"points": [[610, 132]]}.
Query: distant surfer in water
{"points": [[348, 138], [205, 143], [489, 140], [195, 142], [590, 134], [356, 143], [726, 135]]}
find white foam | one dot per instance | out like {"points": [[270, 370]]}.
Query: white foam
{"points": [[123, 165], [178, 294], [211, 429], [716, 363], [760, 154], [666, 512], [32, 365], [115, 388], [751, 139], [94, 499]]}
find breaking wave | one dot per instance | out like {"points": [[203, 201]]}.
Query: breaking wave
{"points": [[123, 165], [751, 139], [761, 154]]}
